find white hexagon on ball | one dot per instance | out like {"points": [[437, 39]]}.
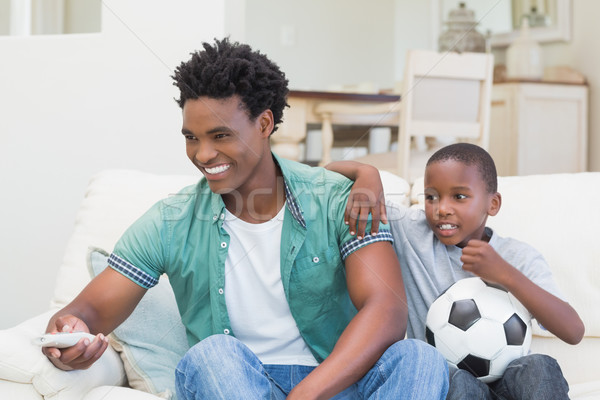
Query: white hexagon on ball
{"points": [[479, 328]]}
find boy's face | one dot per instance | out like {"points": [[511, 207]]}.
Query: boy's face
{"points": [[457, 203], [225, 145]]}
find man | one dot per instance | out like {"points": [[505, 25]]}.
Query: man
{"points": [[278, 299]]}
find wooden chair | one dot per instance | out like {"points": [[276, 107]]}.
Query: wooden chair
{"points": [[446, 96], [369, 115]]}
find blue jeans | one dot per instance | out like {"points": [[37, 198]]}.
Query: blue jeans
{"points": [[532, 377], [222, 367]]}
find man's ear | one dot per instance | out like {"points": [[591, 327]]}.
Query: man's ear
{"points": [[495, 203], [266, 123]]}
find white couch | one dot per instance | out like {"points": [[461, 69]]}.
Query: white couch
{"points": [[557, 214]]}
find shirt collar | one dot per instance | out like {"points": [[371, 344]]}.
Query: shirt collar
{"points": [[218, 207]]}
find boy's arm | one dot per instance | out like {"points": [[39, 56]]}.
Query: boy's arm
{"points": [[551, 312], [100, 307], [377, 291], [366, 196]]}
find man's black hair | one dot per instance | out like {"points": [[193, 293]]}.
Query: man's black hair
{"points": [[226, 69], [470, 154]]}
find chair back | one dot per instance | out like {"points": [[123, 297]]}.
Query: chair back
{"points": [[445, 95]]}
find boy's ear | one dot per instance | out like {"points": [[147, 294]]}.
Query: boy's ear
{"points": [[495, 203]]}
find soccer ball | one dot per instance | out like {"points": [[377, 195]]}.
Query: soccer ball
{"points": [[479, 328]]}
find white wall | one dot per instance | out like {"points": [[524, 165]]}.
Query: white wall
{"points": [[4, 17], [413, 29], [72, 105], [321, 43]]}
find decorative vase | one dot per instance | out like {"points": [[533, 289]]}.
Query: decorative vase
{"points": [[461, 34], [524, 56]]}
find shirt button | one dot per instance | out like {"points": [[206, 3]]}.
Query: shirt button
{"points": [[315, 259], [214, 217], [226, 331], [223, 244], [222, 216], [220, 290]]}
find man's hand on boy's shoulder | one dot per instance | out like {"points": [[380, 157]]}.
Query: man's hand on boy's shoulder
{"points": [[361, 203], [481, 259], [366, 197]]}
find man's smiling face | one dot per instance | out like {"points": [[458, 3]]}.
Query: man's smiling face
{"points": [[225, 144]]}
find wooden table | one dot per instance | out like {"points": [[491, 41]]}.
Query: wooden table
{"points": [[285, 142]]}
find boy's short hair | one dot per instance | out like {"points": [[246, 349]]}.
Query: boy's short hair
{"points": [[226, 69], [470, 154]]}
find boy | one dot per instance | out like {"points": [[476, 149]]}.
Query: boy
{"points": [[449, 241], [278, 299]]}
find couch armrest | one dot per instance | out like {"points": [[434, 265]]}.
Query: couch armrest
{"points": [[23, 362]]}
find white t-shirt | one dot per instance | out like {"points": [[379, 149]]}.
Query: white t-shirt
{"points": [[258, 310]]}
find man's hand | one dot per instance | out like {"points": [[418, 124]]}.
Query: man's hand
{"points": [[80, 356], [366, 197]]}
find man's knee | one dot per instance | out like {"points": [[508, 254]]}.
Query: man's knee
{"points": [[207, 352], [419, 353], [425, 351]]}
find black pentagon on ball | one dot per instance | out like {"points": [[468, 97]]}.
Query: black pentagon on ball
{"points": [[429, 336], [475, 365], [464, 314], [515, 329]]}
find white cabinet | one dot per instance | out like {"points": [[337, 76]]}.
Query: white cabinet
{"points": [[539, 128]]}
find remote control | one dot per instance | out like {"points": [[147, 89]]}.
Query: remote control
{"points": [[62, 339]]}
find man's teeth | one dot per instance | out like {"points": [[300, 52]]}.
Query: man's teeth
{"points": [[447, 226], [217, 169]]}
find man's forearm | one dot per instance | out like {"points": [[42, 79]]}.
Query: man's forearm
{"points": [[351, 169]]}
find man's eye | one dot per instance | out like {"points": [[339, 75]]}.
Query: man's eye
{"points": [[189, 137]]}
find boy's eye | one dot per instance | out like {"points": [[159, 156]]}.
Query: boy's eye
{"points": [[461, 196], [430, 197]]}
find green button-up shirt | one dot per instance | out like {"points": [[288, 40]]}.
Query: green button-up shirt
{"points": [[183, 236]]}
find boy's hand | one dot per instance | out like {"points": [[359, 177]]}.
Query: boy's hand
{"points": [[80, 356], [366, 197], [481, 259]]}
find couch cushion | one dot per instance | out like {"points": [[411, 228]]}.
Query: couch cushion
{"points": [[577, 362], [152, 340], [23, 362], [118, 393], [20, 391], [114, 199], [396, 189], [557, 214]]}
